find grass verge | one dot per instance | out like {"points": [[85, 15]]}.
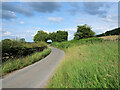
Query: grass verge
{"points": [[68, 44], [15, 64], [88, 66]]}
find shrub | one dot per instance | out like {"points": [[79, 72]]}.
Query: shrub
{"points": [[14, 48]]}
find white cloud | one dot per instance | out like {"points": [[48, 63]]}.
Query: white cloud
{"points": [[47, 32], [70, 36], [6, 33], [101, 30], [70, 29], [27, 31], [34, 34], [55, 19], [21, 22], [110, 18], [37, 31]]}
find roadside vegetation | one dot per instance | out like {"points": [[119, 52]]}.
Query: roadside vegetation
{"points": [[68, 44], [15, 48], [89, 63], [17, 54]]}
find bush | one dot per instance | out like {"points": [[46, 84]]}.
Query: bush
{"points": [[14, 48]]}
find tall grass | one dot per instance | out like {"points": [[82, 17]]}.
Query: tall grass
{"points": [[14, 64], [88, 66], [67, 44]]}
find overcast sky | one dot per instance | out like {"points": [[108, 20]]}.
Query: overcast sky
{"points": [[24, 19]]}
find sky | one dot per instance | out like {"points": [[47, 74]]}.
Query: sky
{"points": [[24, 19]]}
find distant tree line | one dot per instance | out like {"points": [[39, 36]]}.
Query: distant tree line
{"points": [[115, 31], [58, 36]]}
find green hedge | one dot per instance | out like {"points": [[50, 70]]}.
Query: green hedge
{"points": [[13, 49], [15, 64]]}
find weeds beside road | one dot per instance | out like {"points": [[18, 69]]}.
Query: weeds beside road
{"points": [[15, 64], [87, 65]]}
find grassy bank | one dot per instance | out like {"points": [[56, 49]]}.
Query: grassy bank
{"points": [[68, 44], [15, 64], [92, 65]]}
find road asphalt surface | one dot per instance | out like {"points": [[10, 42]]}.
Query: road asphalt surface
{"points": [[35, 75]]}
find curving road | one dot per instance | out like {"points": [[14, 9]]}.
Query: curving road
{"points": [[35, 75]]}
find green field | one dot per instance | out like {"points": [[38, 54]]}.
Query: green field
{"points": [[87, 65]]}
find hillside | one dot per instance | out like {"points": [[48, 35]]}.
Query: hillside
{"points": [[115, 31], [113, 37]]}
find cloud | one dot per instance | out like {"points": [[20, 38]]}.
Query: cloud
{"points": [[21, 22], [75, 8], [17, 8], [111, 19], [100, 30], [71, 29], [45, 7], [91, 8], [55, 19], [8, 15], [70, 36], [27, 8], [6, 33], [47, 32], [33, 34], [94, 8]]}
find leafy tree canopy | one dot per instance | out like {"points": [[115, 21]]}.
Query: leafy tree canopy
{"points": [[41, 36], [83, 32], [22, 40], [61, 36], [58, 36]]}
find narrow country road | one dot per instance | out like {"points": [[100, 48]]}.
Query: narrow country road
{"points": [[35, 75]]}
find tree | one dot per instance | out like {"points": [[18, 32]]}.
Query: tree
{"points": [[83, 32], [40, 36], [6, 46], [61, 36], [22, 40], [52, 36]]}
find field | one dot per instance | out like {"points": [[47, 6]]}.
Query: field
{"points": [[113, 37], [88, 65]]}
